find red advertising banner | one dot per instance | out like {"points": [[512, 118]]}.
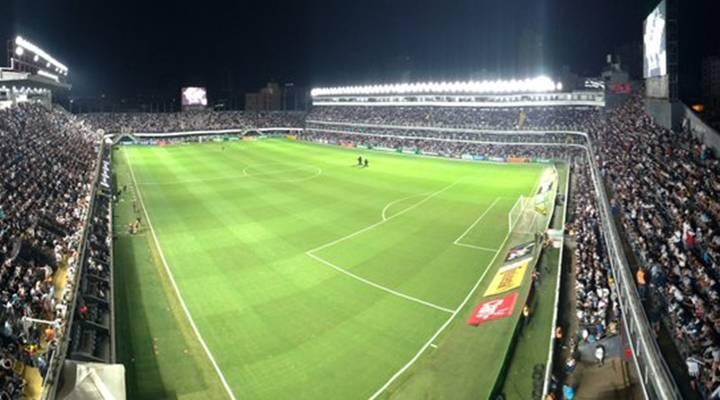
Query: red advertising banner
{"points": [[494, 309], [621, 88]]}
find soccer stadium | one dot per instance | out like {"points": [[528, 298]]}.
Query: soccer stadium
{"points": [[524, 237]]}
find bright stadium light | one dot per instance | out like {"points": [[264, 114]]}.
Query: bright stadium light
{"points": [[19, 51], [36, 58], [22, 43], [534, 85]]}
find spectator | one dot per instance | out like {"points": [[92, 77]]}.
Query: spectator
{"points": [[600, 355], [48, 158]]}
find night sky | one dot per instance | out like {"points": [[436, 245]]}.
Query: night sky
{"points": [[127, 48]]}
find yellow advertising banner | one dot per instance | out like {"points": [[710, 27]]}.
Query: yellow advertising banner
{"points": [[507, 278], [292, 137]]}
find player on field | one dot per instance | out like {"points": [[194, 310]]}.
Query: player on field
{"points": [[366, 162], [360, 161]]}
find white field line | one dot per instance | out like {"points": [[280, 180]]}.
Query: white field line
{"points": [[472, 246], [457, 241], [175, 287], [444, 326], [381, 287], [318, 171], [375, 225], [309, 253], [259, 177], [390, 204]]}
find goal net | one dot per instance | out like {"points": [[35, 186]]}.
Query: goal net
{"points": [[524, 217], [529, 215], [515, 212]]}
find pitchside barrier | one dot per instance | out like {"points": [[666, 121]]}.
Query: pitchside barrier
{"points": [[656, 379], [160, 138], [528, 217], [57, 358]]}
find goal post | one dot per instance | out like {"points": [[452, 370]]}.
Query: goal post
{"points": [[516, 212]]}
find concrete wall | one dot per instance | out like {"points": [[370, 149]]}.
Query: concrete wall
{"points": [[661, 111], [688, 120]]}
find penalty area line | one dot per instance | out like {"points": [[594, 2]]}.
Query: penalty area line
{"points": [[471, 246], [378, 286], [444, 326], [175, 287], [390, 204], [457, 241], [382, 221]]}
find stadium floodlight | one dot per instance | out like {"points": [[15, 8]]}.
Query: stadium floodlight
{"points": [[22, 43], [535, 85], [19, 51], [48, 75]]}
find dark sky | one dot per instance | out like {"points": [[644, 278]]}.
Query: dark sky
{"points": [[124, 47]]}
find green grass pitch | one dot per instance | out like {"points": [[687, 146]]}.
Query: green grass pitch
{"points": [[306, 276]]}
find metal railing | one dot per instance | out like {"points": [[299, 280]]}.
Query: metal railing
{"points": [[655, 377], [57, 360]]}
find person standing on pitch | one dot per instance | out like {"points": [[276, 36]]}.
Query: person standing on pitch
{"points": [[366, 162], [360, 161]]}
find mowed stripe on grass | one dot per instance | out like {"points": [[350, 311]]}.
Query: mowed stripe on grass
{"points": [[279, 323]]}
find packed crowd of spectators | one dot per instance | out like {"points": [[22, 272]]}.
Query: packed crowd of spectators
{"points": [[457, 135], [193, 121], [47, 160], [444, 147], [550, 118], [596, 303], [667, 195], [663, 185]]}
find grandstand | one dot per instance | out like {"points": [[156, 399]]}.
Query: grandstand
{"points": [[509, 239], [546, 135]]}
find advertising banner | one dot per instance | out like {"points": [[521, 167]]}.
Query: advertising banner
{"points": [[520, 252], [493, 309], [507, 278], [543, 160]]}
